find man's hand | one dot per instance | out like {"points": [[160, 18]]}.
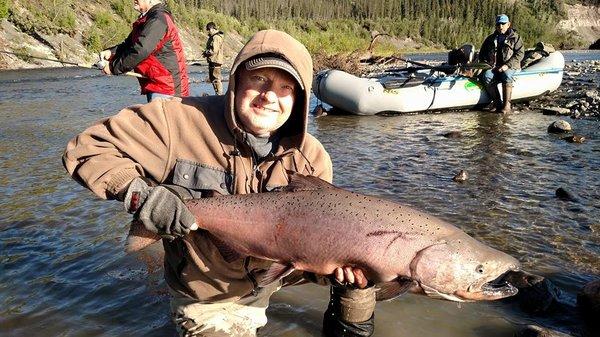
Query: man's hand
{"points": [[105, 54], [503, 68], [349, 275], [106, 69], [161, 209], [104, 65]]}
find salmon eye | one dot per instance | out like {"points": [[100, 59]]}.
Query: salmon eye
{"points": [[479, 269]]}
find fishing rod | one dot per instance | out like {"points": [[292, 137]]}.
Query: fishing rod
{"points": [[81, 65]]}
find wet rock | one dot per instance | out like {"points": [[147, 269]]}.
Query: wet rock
{"points": [[461, 176], [595, 45], [452, 134], [593, 94], [538, 331], [565, 195], [571, 104], [536, 293], [575, 139], [559, 126], [588, 302], [555, 111], [580, 85]]}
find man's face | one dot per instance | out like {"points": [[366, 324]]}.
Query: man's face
{"points": [[502, 27], [142, 6], [264, 99]]}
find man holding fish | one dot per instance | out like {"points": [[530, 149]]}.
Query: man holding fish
{"points": [[155, 156]]}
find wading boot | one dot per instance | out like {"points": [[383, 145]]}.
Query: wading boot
{"points": [[506, 95], [350, 312], [496, 102]]}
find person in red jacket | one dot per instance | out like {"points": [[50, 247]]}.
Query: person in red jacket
{"points": [[152, 49]]}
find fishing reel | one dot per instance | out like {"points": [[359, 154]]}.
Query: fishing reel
{"points": [[101, 64]]}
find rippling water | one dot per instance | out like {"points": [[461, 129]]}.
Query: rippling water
{"points": [[63, 271]]}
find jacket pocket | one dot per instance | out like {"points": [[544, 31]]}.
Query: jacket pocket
{"points": [[197, 177]]}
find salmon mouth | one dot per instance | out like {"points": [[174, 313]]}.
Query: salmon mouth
{"points": [[497, 290], [493, 290]]}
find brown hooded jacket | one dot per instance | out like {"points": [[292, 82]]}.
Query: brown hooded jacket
{"points": [[197, 143]]}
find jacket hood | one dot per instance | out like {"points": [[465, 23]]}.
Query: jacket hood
{"points": [[279, 43]]}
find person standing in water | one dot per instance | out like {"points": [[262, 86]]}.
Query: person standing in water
{"points": [[152, 49], [214, 55]]}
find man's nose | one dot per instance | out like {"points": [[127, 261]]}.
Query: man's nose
{"points": [[269, 95]]}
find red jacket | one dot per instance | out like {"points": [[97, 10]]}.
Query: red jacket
{"points": [[153, 49]]}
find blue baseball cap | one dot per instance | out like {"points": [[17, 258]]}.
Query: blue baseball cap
{"points": [[502, 18]]}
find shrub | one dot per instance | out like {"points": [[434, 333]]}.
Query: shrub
{"points": [[4, 7], [124, 9], [92, 40], [106, 31]]}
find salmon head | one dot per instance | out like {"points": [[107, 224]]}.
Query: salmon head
{"points": [[460, 268]]}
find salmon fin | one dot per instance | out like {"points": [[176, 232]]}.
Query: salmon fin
{"points": [[299, 182], [276, 272], [229, 254], [139, 237], [390, 290]]}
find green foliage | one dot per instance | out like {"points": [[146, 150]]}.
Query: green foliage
{"points": [[224, 22], [46, 16], [92, 40], [4, 8], [124, 9], [324, 26], [332, 25], [107, 30]]}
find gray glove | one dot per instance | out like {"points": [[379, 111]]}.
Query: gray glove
{"points": [[161, 209]]}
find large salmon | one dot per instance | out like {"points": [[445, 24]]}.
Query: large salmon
{"points": [[313, 226]]}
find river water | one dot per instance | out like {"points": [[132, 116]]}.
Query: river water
{"points": [[63, 271]]}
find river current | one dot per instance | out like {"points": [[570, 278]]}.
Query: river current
{"points": [[63, 271]]}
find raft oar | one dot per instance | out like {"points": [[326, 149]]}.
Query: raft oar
{"points": [[81, 65], [479, 65]]}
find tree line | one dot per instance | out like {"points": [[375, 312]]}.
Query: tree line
{"points": [[444, 22], [324, 26]]}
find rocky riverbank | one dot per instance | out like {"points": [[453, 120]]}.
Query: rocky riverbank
{"points": [[578, 95]]}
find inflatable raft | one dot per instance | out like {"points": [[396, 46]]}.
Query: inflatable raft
{"points": [[428, 89]]}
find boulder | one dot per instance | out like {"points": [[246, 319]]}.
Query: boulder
{"points": [[538, 331], [588, 302], [536, 293], [559, 126]]}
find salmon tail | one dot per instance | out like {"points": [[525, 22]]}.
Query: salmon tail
{"points": [[276, 272], [139, 237]]}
